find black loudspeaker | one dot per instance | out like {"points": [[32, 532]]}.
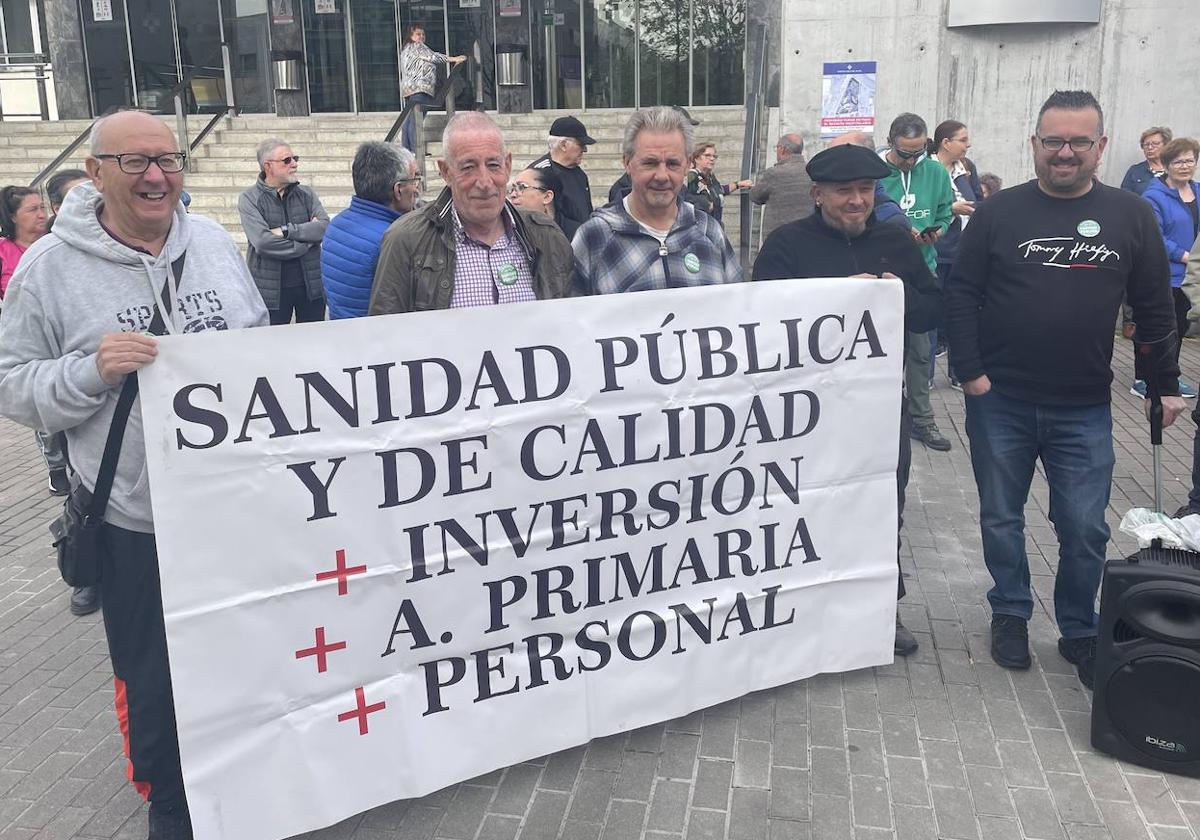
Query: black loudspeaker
{"points": [[1146, 706]]}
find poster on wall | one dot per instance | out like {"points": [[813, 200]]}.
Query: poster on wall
{"points": [[281, 11], [325, 7], [509, 8], [470, 4], [102, 10], [848, 98]]}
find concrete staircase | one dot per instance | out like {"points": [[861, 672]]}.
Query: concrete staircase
{"points": [[225, 164]]}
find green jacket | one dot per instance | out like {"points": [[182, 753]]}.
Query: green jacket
{"points": [[934, 196], [415, 271]]}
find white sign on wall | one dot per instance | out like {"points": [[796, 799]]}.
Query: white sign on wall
{"points": [[985, 12], [102, 10], [325, 7], [400, 552]]}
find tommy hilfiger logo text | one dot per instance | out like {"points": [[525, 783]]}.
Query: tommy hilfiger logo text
{"points": [[1067, 252]]}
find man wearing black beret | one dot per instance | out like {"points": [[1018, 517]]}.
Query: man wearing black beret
{"points": [[842, 239]]}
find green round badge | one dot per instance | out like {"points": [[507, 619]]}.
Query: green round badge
{"points": [[1088, 228], [692, 263], [508, 274]]}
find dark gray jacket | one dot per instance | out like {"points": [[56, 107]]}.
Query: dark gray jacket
{"points": [[786, 189], [415, 271], [261, 209]]}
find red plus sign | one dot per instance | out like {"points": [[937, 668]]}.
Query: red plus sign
{"points": [[341, 572], [320, 649], [362, 711]]}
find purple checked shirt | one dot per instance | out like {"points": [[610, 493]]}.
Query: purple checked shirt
{"points": [[485, 275]]}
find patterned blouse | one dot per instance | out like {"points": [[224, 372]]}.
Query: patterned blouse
{"points": [[420, 69]]}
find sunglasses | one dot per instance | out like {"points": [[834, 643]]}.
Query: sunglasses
{"points": [[287, 161], [907, 155]]}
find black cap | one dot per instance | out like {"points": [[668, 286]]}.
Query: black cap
{"points": [[686, 115], [570, 127], [846, 163]]}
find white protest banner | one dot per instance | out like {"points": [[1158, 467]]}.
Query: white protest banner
{"points": [[401, 552]]}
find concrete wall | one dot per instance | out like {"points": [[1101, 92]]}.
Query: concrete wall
{"points": [[1140, 60]]}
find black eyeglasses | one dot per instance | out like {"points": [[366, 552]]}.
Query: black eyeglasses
{"points": [[135, 164], [287, 161], [908, 155], [416, 179], [1077, 144]]}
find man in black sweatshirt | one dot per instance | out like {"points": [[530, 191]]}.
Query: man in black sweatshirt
{"points": [[1030, 306], [842, 239]]}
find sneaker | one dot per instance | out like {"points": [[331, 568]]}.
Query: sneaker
{"points": [[942, 349], [1082, 654], [60, 485], [85, 600], [931, 385], [931, 437], [1138, 389], [954, 383], [1010, 642], [1187, 510], [170, 824], [1186, 391], [906, 642]]}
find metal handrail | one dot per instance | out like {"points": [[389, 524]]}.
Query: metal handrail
{"points": [[441, 94], [62, 156], [230, 111], [754, 100]]}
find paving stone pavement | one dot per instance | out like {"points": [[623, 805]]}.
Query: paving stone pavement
{"points": [[942, 745]]}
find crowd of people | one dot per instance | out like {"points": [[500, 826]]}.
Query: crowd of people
{"points": [[1022, 285]]}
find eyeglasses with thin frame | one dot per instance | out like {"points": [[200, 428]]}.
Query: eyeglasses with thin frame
{"points": [[518, 187], [287, 161], [1152, 144], [1182, 164], [416, 179], [1077, 144], [135, 164]]}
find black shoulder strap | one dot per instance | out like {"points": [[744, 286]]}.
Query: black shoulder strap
{"points": [[120, 419]]}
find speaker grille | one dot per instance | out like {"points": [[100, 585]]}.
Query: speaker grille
{"points": [[1176, 557], [1151, 703], [1123, 632]]}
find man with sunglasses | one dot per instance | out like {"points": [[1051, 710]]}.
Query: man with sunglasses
{"points": [[386, 186], [284, 224], [923, 190], [77, 322], [1030, 307]]}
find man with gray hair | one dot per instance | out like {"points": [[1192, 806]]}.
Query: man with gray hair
{"points": [[123, 264], [470, 247], [785, 188], [386, 186], [284, 224], [568, 144], [652, 238]]}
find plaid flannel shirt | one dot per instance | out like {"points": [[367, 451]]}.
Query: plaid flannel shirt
{"points": [[614, 254]]}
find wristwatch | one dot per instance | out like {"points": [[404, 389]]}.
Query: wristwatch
{"points": [[285, 229]]}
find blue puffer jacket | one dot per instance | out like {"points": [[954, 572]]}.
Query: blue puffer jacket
{"points": [[349, 254], [1176, 223]]}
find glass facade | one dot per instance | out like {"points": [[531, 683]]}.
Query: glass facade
{"points": [[583, 53]]}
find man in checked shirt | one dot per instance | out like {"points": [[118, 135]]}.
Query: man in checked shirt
{"points": [[470, 247]]}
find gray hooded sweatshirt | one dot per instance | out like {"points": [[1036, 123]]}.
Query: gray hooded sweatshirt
{"points": [[77, 284]]}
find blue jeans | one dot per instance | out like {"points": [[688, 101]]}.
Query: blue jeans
{"points": [[410, 124], [1074, 444]]}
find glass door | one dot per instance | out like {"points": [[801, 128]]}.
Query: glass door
{"points": [[198, 30], [376, 57], [611, 38], [557, 52], [327, 51], [248, 32]]}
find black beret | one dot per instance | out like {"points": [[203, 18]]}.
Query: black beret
{"points": [[846, 163]]}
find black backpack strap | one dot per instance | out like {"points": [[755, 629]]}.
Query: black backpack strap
{"points": [[120, 419]]}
